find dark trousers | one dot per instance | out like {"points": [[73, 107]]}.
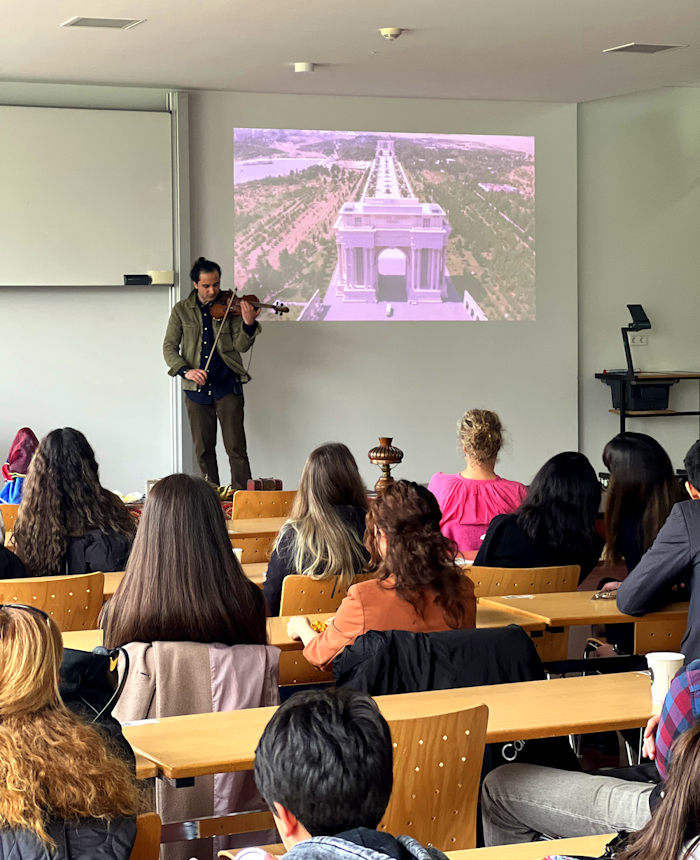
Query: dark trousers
{"points": [[229, 411]]}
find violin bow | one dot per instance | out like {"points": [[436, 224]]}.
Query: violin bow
{"points": [[218, 335], [221, 328]]}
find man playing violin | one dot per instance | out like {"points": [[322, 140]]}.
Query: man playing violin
{"points": [[218, 391]]}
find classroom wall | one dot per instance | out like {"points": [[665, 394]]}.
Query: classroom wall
{"points": [[639, 229], [88, 357], [353, 382]]}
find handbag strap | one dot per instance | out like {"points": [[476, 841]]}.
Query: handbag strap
{"points": [[114, 654]]}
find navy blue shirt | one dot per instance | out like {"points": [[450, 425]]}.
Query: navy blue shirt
{"points": [[221, 380]]}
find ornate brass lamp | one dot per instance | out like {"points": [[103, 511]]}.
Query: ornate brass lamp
{"points": [[385, 456]]}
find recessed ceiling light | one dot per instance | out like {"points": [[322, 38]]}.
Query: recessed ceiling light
{"points": [[107, 23], [637, 48]]}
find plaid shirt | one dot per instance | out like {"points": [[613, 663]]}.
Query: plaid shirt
{"points": [[680, 712]]}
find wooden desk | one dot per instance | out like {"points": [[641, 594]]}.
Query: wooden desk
{"points": [[254, 572], [586, 846], [568, 609], [82, 640], [255, 528], [145, 768], [112, 582], [532, 709], [622, 379], [486, 617], [657, 631]]}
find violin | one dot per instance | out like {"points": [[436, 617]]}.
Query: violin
{"points": [[220, 304]]}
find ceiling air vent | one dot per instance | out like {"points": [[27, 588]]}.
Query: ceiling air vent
{"points": [[636, 48], [107, 23]]}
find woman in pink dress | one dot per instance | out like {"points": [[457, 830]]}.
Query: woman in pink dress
{"points": [[471, 499]]}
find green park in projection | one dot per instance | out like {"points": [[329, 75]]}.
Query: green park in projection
{"points": [[386, 226]]}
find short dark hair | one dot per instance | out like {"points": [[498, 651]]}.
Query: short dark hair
{"points": [[692, 465], [202, 265], [326, 757]]}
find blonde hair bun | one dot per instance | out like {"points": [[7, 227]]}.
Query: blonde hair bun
{"points": [[481, 435]]}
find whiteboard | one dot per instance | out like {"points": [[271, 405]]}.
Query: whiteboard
{"points": [[85, 196]]}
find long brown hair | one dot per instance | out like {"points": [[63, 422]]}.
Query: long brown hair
{"points": [[642, 485], [52, 765], [63, 497], [418, 556], [676, 822], [324, 545], [182, 582]]}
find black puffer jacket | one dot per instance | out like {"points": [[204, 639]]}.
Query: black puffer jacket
{"points": [[86, 840]]}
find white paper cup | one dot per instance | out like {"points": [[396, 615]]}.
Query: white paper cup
{"points": [[238, 553], [663, 666]]}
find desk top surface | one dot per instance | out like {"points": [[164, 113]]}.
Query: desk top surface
{"points": [[577, 607], [531, 709], [145, 768], [585, 846], [650, 374], [486, 617], [254, 572], [255, 526]]}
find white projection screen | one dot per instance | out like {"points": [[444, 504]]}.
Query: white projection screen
{"points": [[348, 226]]}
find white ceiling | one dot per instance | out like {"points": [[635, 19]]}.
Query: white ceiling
{"points": [[544, 50]]}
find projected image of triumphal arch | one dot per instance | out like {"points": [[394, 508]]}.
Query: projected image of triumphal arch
{"points": [[388, 216]]}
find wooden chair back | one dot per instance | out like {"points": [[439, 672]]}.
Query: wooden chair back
{"points": [[73, 602], [497, 581], [256, 550], [147, 844], [9, 515], [437, 768], [262, 503], [658, 635], [302, 595]]}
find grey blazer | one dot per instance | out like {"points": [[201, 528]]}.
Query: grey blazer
{"points": [[673, 558]]}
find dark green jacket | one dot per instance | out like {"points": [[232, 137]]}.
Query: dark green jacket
{"points": [[183, 340]]}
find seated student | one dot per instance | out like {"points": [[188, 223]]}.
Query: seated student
{"points": [[521, 802], [323, 536], [14, 470], [471, 499], [672, 560], [643, 489], [67, 521], [324, 767], [418, 587], [10, 566], [64, 793], [555, 525], [194, 627], [674, 829]]}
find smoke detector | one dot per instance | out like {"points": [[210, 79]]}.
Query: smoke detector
{"points": [[305, 68], [391, 33]]}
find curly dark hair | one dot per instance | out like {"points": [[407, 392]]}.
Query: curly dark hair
{"points": [[418, 556], [62, 498]]}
